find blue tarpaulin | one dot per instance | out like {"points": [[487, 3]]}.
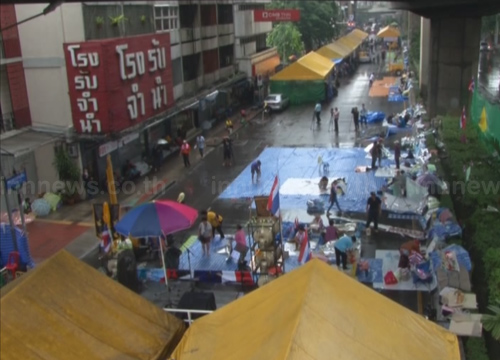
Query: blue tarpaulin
{"points": [[337, 61], [7, 246], [374, 117], [302, 163]]}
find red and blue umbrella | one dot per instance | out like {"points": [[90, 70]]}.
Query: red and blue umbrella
{"points": [[157, 218]]}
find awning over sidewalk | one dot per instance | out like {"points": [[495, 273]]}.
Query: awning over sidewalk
{"points": [[309, 67], [25, 141], [388, 32], [312, 313], [64, 309], [359, 34]]}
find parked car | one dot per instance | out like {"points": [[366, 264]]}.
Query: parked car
{"points": [[484, 46], [277, 102]]}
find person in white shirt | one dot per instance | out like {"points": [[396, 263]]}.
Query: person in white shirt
{"points": [[372, 79], [205, 235], [362, 114]]}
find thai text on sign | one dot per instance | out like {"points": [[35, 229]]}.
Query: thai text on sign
{"points": [[276, 15]]}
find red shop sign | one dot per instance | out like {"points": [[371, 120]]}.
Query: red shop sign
{"points": [[118, 83], [276, 15]]}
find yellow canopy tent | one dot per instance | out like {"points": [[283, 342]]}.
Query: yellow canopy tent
{"points": [[348, 43], [361, 35], [309, 67], [341, 49], [329, 53], [64, 309], [316, 312], [388, 32]]}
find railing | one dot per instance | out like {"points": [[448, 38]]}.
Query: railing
{"points": [[190, 319], [7, 122]]}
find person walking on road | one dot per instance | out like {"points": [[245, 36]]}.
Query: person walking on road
{"points": [[372, 79], [227, 149], [255, 169], [185, 150], [200, 142], [334, 197], [380, 151], [373, 210], [336, 116], [374, 154], [317, 112], [342, 246], [330, 124]]}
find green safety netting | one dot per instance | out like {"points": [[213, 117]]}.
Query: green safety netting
{"points": [[300, 92], [487, 116]]}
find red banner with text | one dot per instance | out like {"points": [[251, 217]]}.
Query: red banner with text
{"points": [[117, 83], [276, 15]]}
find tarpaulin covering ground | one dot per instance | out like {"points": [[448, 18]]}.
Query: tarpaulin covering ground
{"points": [[302, 163]]}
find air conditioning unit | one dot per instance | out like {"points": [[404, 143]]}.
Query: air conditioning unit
{"points": [[73, 150]]}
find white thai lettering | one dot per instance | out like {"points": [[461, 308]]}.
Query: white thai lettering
{"points": [[82, 60], [84, 82], [134, 102]]}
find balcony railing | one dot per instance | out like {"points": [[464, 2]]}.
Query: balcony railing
{"points": [[7, 122]]}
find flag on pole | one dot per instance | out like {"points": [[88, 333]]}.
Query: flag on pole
{"points": [[305, 251], [463, 119], [273, 203], [106, 240], [472, 85]]}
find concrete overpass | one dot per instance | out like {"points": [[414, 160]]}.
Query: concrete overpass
{"points": [[449, 51]]}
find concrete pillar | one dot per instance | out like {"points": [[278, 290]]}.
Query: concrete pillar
{"points": [[454, 61], [425, 56]]}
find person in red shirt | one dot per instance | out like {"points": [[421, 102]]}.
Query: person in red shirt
{"points": [[185, 150]]}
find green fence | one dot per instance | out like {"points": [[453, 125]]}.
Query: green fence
{"points": [[300, 92], [487, 116]]}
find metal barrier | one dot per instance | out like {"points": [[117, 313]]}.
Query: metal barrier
{"points": [[189, 320]]}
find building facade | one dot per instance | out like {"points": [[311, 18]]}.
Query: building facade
{"points": [[114, 78]]}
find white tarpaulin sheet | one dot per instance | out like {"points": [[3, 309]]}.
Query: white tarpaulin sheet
{"points": [[300, 186], [386, 172], [403, 205], [390, 262], [414, 191]]}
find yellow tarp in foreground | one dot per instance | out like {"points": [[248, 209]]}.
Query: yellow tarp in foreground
{"points": [[309, 67], [388, 32], [64, 309], [316, 312]]}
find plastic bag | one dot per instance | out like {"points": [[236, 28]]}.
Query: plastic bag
{"points": [[390, 278]]}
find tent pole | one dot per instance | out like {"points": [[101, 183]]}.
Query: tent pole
{"points": [[163, 261]]}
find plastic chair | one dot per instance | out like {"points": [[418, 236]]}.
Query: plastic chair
{"points": [[13, 263]]}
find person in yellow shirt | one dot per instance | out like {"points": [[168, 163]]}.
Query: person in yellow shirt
{"points": [[215, 220], [229, 125]]}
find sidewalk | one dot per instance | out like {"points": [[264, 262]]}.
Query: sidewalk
{"points": [[72, 226]]}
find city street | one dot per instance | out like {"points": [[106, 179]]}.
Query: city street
{"points": [[204, 182]]}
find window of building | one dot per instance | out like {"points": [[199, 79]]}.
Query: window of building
{"points": [[166, 18], [177, 71], [251, 7], [225, 14], [226, 55], [190, 66], [208, 15], [260, 43], [187, 14]]}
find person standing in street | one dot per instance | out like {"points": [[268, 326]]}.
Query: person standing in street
{"points": [[397, 153], [372, 79], [317, 112], [185, 150], [355, 118], [342, 246], [333, 197], [227, 149], [374, 154], [380, 151], [157, 157], [332, 232], [87, 183], [362, 115], [200, 142], [373, 210], [215, 220], [205, 235], [336, 116], [330, 124]]}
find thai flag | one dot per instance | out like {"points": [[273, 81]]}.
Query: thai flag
{"points": [[105, 240], [305, 251], [472, 85], [463, 119], [273, 203]]}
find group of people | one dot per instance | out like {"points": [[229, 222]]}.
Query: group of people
{"points": [[359, 116], [343, 242]]}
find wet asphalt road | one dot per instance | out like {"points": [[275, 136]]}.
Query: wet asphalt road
{"points": [[292, 128]]}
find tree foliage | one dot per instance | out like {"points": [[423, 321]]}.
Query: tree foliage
{"points": [[316, 20], [491, 322], [287, 39]]}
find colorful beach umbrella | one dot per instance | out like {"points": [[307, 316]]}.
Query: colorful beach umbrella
{"points": [[157, 218]]}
